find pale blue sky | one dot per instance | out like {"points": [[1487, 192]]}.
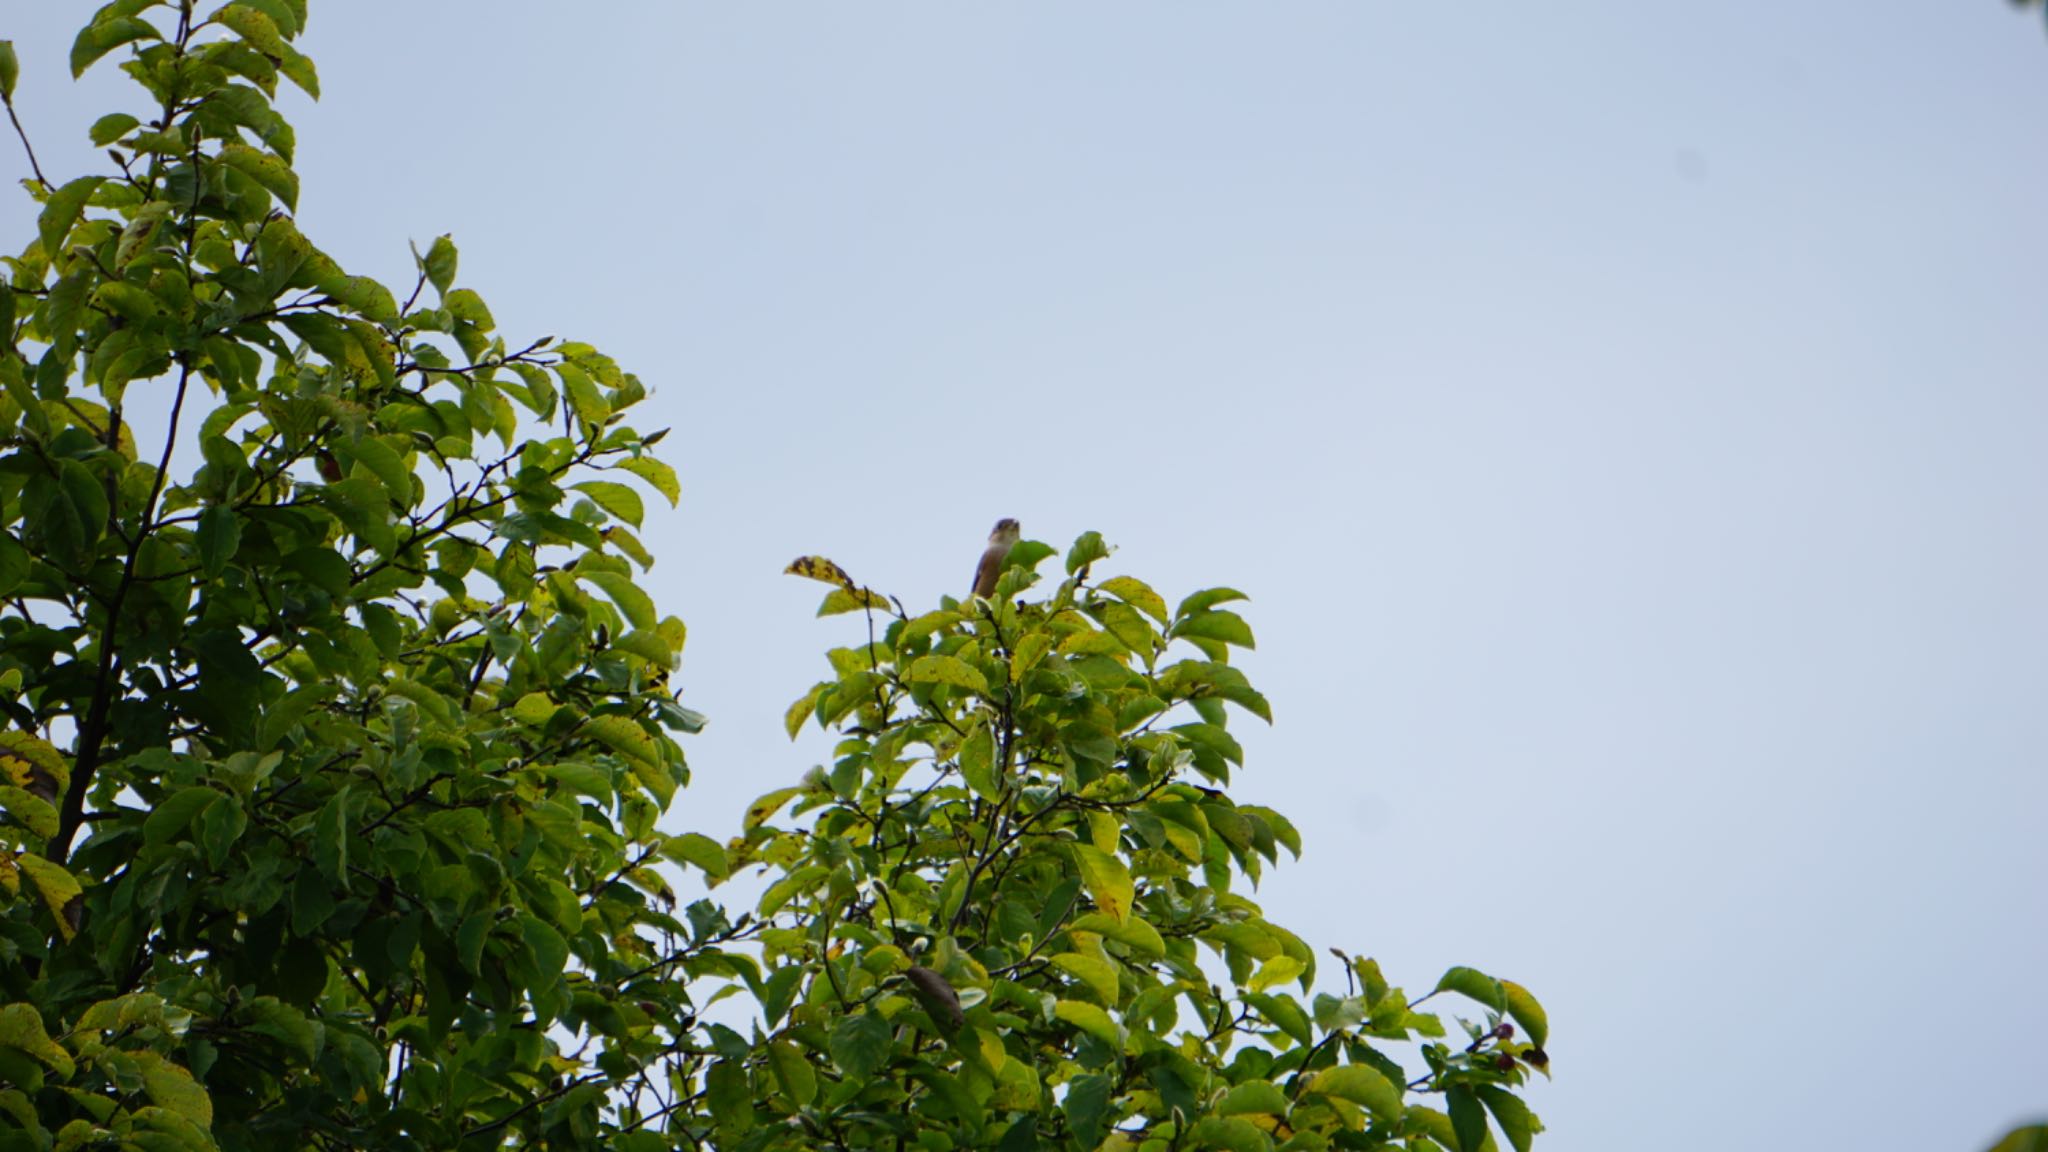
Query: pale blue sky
{"points": [[1629, 420]]}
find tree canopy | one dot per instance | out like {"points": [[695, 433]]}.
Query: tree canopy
{"points": [[339, 723]]}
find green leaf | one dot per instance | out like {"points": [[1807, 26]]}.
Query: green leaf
{"points": [[658, 476], [1227, 627], [1107, 880], [366, 297], [110, 128], [10, 70], [1333, 1013], [312, 902], [860, 1045], [170, 1086], [946, 670], [1087, 549], [103, 36], [1284, 1014], [300, 71], [616, 499], [634, 602], [801, 882], [1206, 599], [22, 1028], [583, 779], [977, 762], [439, 264], [14, 563], [731, 1097], [219, 533], [220, 825], [62, 213], [171, 816], [1087, 1106], [1468, 1119], [266, 169], [1475, 985], [467, 306], [1516, 1121], [585, 399], [798, 1080], [1090, 1019], [642, 754], [280, 717], [1363, 1086], [330, 837], [269, 1016], [701, 850], [1253, 1097], [1524, 1009]]}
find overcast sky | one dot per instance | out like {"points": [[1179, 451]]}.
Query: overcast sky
{"points": [[1628, 419]]}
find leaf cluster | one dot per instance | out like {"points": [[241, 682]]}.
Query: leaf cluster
{"points": [[335, 725], [336, 720], [1012, 911]]}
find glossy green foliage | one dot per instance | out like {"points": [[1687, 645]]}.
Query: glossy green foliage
{"points": [[1013, 911], [335, 723]]}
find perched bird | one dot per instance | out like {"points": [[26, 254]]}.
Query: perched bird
{"points": [[1006, 533]]}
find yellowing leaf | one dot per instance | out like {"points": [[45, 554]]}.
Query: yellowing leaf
{"points": [[1106, 879], [172, 1087], [1527, 1012], [760, 810], [659, 476], [1137, 594], [532, 709], [992, 1052], [841, 600], [1030, 650], [21, 1027], [55, 886], [623, 736], [800, 711], [946, 670], [30, 809], [1096, 974], [616, 499], [1278, 970], [820, 569], [1132, 933]]}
